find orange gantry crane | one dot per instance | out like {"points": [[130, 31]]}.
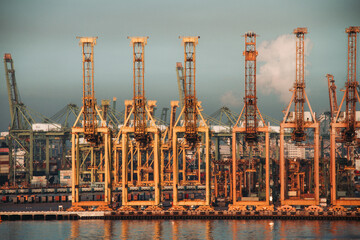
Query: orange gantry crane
{"points": [[191, 137], [167, 136], [344, 126], [167, 148], [138, 140], [250, 171], [292, 176], [91, 138]]}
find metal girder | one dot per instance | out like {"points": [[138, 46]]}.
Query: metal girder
{"points": [[89, 102]]}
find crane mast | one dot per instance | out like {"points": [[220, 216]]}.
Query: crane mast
{"points": [[351, 85], [89, 102], [250, 98], [298, 133], [190, 101]]}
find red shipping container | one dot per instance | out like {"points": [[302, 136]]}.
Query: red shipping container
{"points": [[63, 198], [136, 196], [129, 197], [98, 197], [57, 198], [4, 150]]}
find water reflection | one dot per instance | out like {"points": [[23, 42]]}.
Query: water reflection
{"points": [[108, 229], [208, 230], [75, 225], [175, 229], [158, 228], [184, 229], [125, 230]]}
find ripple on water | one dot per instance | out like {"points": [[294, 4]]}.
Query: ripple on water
{"points": [[179, 229]]}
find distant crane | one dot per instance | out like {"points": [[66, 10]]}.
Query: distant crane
{"points": [[20, 130], [332, 95], [167, 148], [29, 147], [164, 114]]}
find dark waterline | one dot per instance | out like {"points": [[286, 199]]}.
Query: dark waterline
{"points": [[180, 229]]}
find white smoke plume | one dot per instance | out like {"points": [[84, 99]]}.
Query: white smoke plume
{"points": [[277, 74], [230, 99]]}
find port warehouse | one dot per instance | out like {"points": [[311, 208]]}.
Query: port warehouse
{"points": [[47, 156]]}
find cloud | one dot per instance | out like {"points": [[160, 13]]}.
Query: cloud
{"points": [[277, 74], [230, 99]]}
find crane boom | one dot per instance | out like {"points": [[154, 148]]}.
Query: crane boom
{"points": [[190, 100], [138, 44], [180, 81], [332, 95], [89, 102], [20, 117], [13, 93]]}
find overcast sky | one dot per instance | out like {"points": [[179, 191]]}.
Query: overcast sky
{"points": [[41, 36]]}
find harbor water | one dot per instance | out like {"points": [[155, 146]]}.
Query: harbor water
{"points": [[180, 229]]}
